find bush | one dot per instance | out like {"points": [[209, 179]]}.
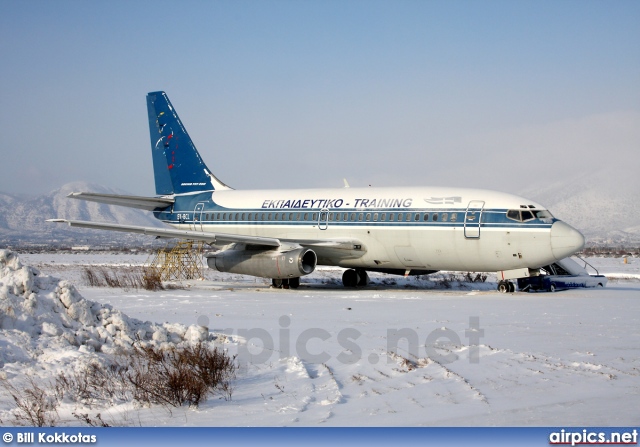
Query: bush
{"points": [[134, 278], [149, 375], [36, 407], [180, 376]]}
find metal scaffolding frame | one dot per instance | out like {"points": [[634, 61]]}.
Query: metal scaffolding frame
{"points": [[181, 262]]}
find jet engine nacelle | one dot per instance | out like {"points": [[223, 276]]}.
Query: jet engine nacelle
{"points": [[265, 264]]}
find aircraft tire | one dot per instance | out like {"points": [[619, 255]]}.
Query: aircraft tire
{"points": [[276, 283], [503, 287], [552, 288], [350, 278], [294, 283], [363, 278], [512, 287]]}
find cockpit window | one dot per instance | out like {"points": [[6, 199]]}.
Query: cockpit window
{"points": [[524, 215], [513, 214], [544, 214]]}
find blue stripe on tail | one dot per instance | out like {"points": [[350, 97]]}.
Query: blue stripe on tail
{"points": [[177, 165]]}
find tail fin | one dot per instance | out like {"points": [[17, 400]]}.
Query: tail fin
{"points": [[177, 165]]}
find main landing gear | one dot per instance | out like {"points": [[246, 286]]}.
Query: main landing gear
{"points": [[290, 283], [506, 287], [355, 278]]}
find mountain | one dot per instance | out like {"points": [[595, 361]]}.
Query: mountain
{"points": [[602, 204], [23, 220]]}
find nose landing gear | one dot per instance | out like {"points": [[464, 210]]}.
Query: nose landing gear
{"points": [[506, 287]]}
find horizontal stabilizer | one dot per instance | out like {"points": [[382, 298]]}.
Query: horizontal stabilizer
{"points": [[143, 203], [218, 239]]}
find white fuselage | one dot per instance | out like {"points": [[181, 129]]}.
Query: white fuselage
{"points": [[390, 228]]}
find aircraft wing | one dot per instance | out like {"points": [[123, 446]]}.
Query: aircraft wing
{"points": [[350, 247], [143, 203], [210, 238]]}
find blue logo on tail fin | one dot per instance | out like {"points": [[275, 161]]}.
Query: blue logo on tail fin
{"points": [[177, 165]]}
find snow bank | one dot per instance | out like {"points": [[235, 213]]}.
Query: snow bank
{"points": [[45, 323]]}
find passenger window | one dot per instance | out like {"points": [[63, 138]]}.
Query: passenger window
{"points": [[445, 216], [290, 216], [353, 217], [330, 216], [359, 217], [297, 216], [368, 217], [237, 216], [269, 218], [314, 216], [454, 217], [345, 217], [383, 217], [306, 216], [435, 217], [416, 217], [375, 217], [400, 215], [426, 217], [391, 217], [276, 216]]}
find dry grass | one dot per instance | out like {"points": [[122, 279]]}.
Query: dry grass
{"points": [[133, 278]]}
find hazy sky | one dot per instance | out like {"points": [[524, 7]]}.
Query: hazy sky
{"points": [[293, 94]]}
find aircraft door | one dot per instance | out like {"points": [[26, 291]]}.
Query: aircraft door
{"points": [[197, 217], [472, 219], [323, 219]]}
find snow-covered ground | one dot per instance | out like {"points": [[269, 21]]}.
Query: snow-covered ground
{"points": [[399, 352]]}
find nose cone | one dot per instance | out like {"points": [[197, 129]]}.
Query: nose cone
{"points": [[565, 240]]}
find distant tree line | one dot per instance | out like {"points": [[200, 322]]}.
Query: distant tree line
{"points": [[611, 252]]}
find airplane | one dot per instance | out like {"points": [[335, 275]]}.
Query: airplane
{"points": [[284, 234]]}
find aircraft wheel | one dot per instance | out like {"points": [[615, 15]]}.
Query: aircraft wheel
{"points": [[294, 283], [363, 278], [503, 287], [276, 283], [512, 287], [350, 278], [552, 288]]}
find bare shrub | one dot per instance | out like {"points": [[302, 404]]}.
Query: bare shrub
{"points": [[110, 278], [36, 406], [180, 376], [151, 279], [127, 279], [97, 421], [478, 278], [152, 376], [96, 383], [91, 278]]}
